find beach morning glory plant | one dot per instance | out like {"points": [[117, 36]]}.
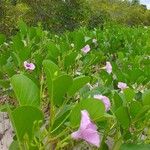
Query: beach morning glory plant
{"points": [[29, 66], [108, 67], [86, 49], [122, 85], [87, 130], [105, 100]]}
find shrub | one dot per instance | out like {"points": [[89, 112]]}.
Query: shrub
{"points": [[10, 16]]}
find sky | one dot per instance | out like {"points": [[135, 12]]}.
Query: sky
{"points": [[146, 2]]}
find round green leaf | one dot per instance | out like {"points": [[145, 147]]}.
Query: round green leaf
{"points": [[123, 117], [78, 83], [117, 101], [70, 59], [23, 119], [129, 94], [26, 90], [61, 84], [135, 108], [50, 68]]}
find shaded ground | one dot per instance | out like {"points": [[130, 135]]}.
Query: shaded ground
{"points": [[6, 132]]}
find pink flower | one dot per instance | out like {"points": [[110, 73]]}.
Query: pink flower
{"points": [[108, 67], [87, 130], [122, 85], [86, 49], [29, 66], [105, 100]]}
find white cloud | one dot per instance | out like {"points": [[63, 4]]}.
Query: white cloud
{"points": [[146, 2]]}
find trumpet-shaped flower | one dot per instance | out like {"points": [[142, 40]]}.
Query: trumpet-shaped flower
{"points": [[108, 67], [86, 49], [87, 130], [29, 66], [122, 85], [105, 100]]}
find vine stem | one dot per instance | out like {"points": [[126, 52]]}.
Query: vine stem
{"points": [[41, 87], [60, 123], [59, 144]]}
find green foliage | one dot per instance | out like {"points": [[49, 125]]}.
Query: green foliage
{"points": [[59, 90], [59, 16], [78, 83], [129, 94], [10, 16], [135, 147], [58, 84], [53, 15], [135, 2], [21, 85], [20, 116], [146, 98], [94, 107], [76, 15], [122, 12], [123, 117]]}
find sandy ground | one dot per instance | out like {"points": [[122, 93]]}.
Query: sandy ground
{"points": [[6, 132]]}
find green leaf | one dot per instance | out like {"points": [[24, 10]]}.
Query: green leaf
{"points": [[4, 83], [78, 83], [135, 147], [78, 39], [19, 49], [117, 101], [58, 84], [26, 90], [135, 108], [134, 74], [23, 119], [60, 119], [51, 69], [146, 98], [129, 94], [2, 38], [61, 84], [141, 113], [70, 59], [14, 146], [123, 117], [95, 108], [86, 38], [9, 69], [53, 50], [23, 27]]}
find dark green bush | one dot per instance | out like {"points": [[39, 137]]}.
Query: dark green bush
{"points": [[98, 19], [61, 15], [11, 14]]}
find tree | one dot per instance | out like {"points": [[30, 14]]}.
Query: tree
{"points": [[59, 15], [136, 2]]}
